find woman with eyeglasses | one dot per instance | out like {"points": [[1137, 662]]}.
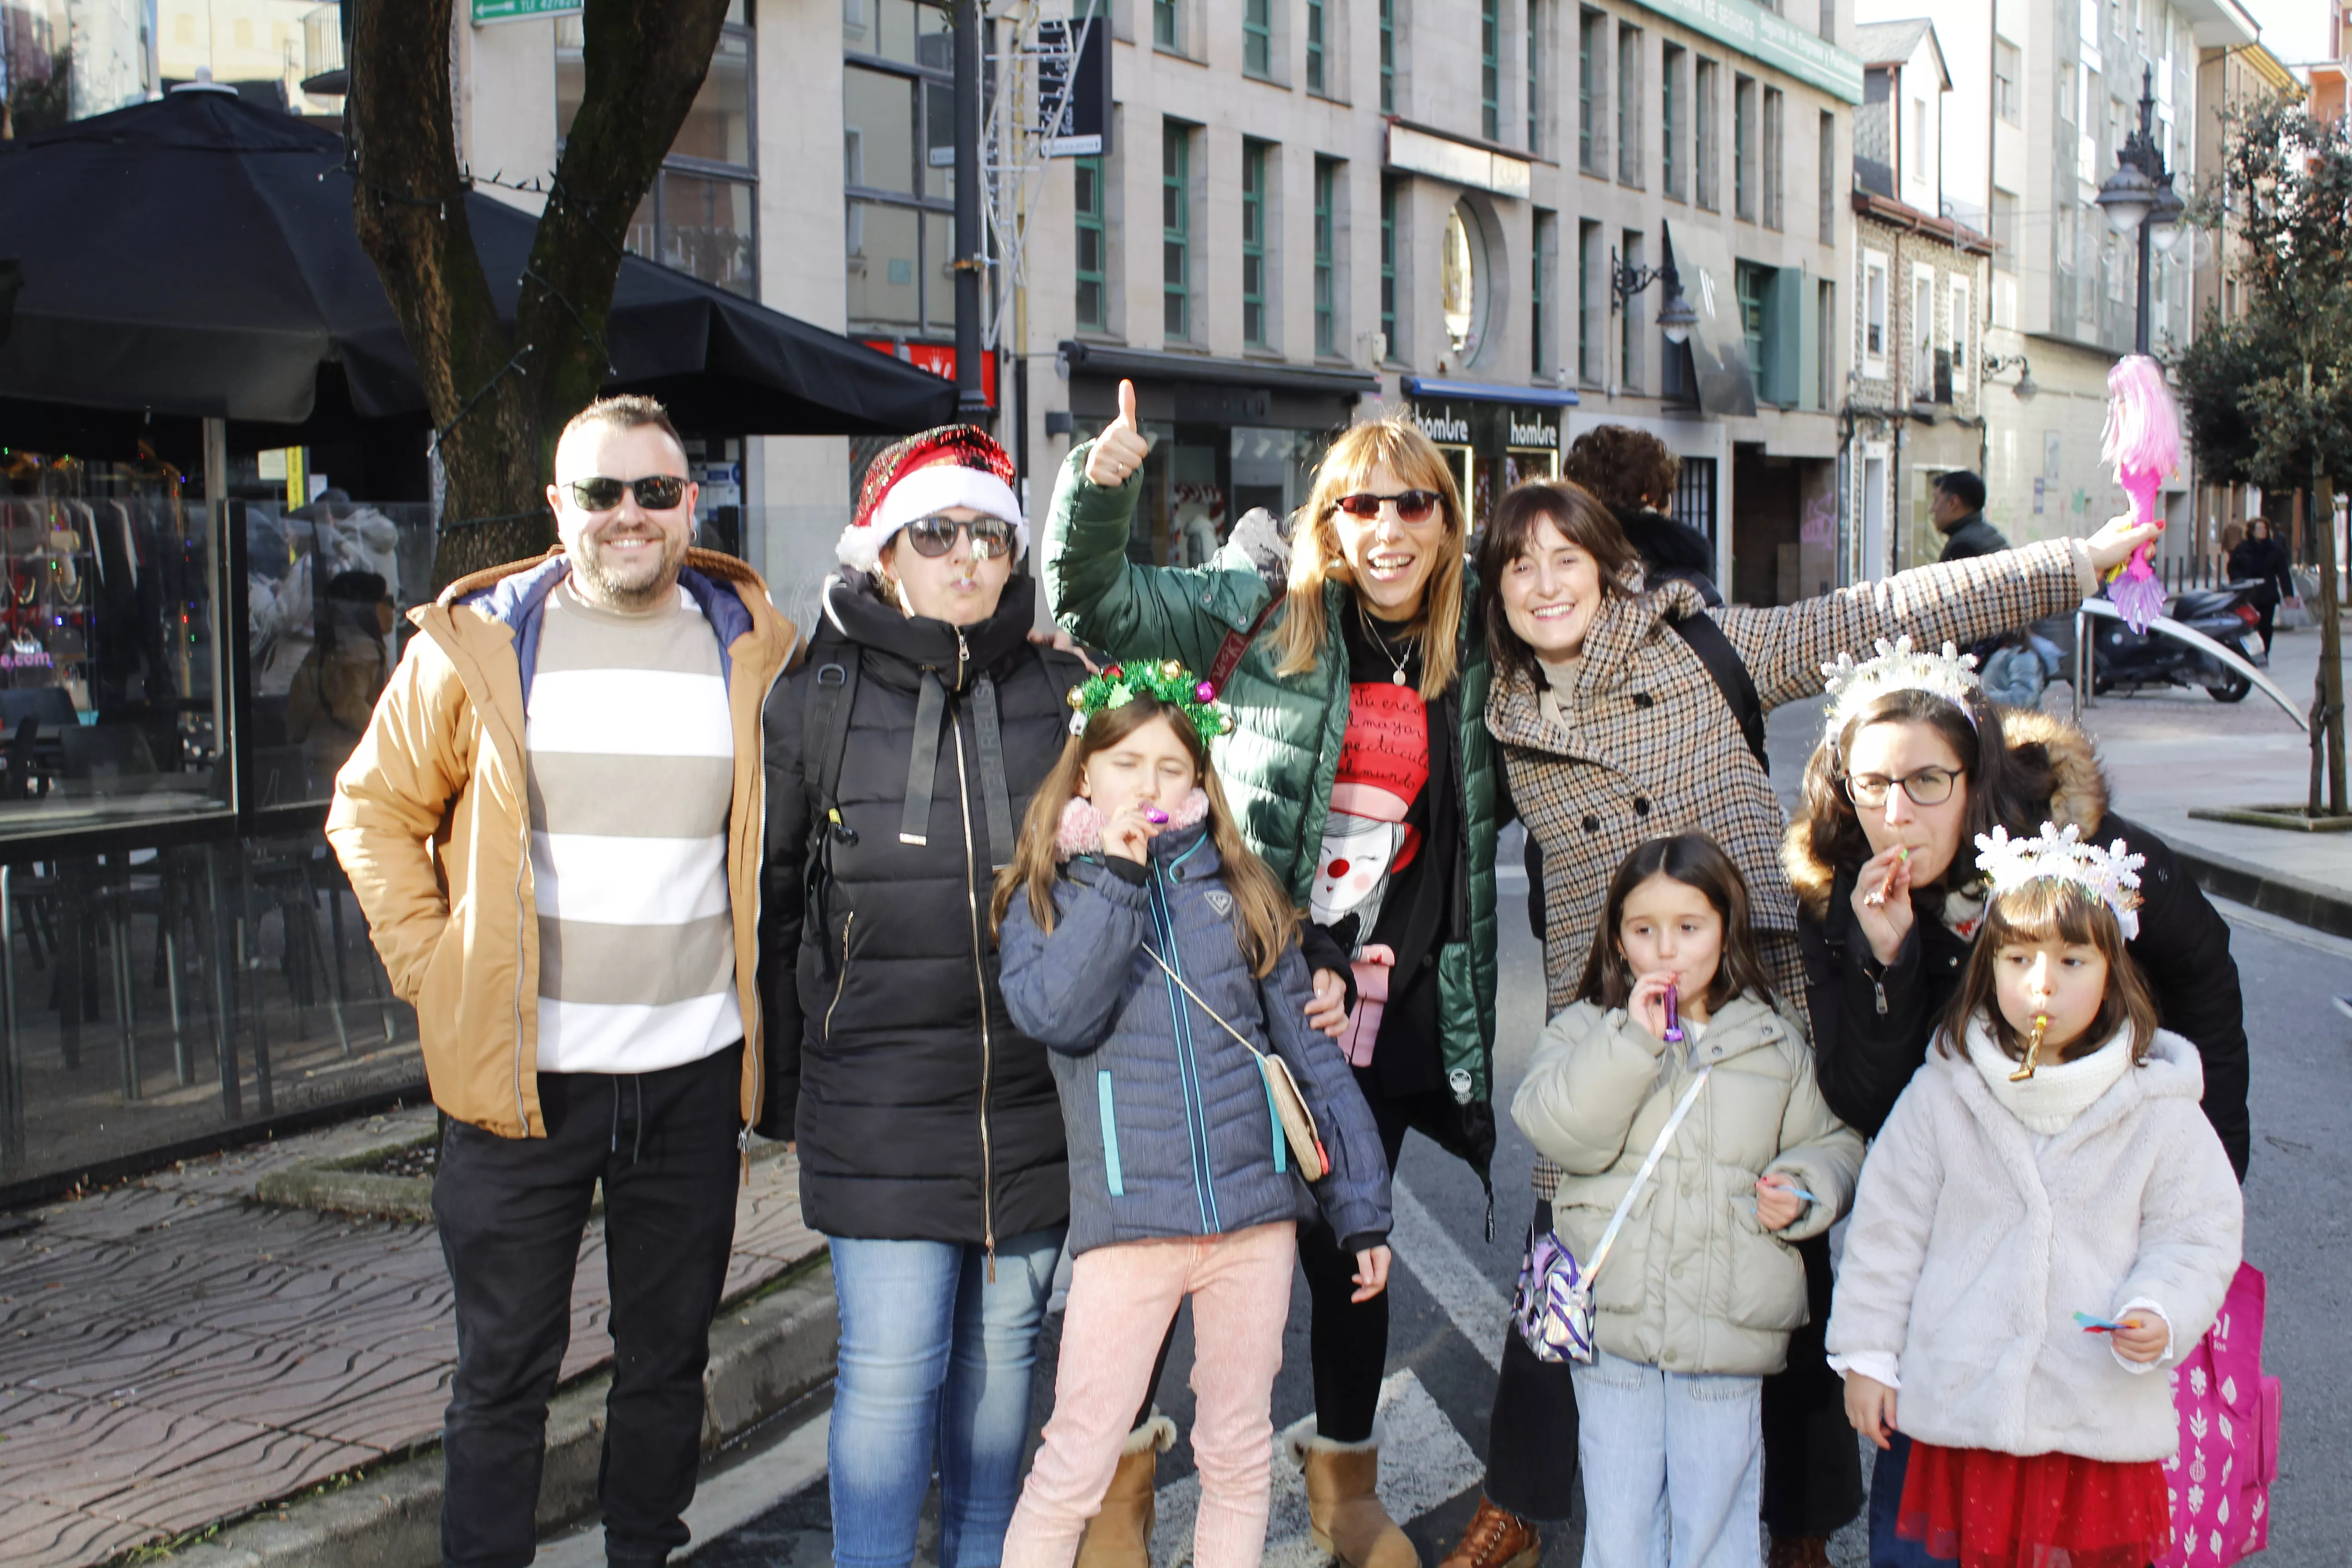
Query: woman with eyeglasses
{"points": [[1362, 774], [901, 754], [1882, 858], [1614, 728]]}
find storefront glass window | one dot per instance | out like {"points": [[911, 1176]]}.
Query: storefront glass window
{"points": [[1461, 280]]}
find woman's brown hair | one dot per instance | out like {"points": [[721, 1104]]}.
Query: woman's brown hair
{"points": [[1270, 922], [1998, 791], [1695, 860], [1315, 556], [1623, 467], [1510, 536], [2049, 910]]}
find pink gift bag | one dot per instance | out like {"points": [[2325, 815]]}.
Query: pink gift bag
{"points": [[2221, 1478]]}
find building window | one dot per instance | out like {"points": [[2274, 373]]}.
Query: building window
{"points": [[1829, 30], [1918, 138], [1826, 346], [2006, 73], [1389, 269], [1874, 314], [1588, 266], [1387, 57], [1540, 265], [1671, 113], [1165, 33], [1327, 307], [1257, 37], [1743, 147], [1629, 102], [1591, 39], [1770, 156], [1534, 75], [1633, 326], [1254, 242], [1828, 178], [1176, 228], [699, 217], [1963, 326], [1755, 285], [1490, 70], [1705, 109], [1315, 78], [1093, 245], [2004, 230], [1923, 332]]}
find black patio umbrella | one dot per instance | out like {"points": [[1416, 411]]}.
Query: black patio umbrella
{"points": [[12, 279], [196, 257]]}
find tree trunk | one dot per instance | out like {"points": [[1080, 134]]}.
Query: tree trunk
{"points": [[499, 395]]}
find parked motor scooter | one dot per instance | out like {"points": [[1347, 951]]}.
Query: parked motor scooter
{"points": [[2124, 659]]}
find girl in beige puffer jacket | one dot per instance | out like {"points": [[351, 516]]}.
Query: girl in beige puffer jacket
{"points": [[1701, 1288]]}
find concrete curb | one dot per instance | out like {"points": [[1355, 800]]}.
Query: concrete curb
{"points": [[2306, 903], [765, 1353]]}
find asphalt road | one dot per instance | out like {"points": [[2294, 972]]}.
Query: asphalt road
{"points": [[763, 1504]]}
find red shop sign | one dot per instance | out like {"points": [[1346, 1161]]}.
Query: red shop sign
{"points": [[940, 359]]}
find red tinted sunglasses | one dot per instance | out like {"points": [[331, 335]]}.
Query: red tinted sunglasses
{"points": [[1411, 506]]}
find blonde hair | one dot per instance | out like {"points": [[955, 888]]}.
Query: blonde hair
{"points": [[1268, 920], [1315, 556]]}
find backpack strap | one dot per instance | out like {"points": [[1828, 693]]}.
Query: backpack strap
{"points": [[1730, 675], [826, 733]]}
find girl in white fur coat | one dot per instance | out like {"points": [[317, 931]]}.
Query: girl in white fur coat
{"points": [[2046, 1221]]}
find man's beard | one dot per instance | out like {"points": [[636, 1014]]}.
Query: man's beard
{"points": [[632, 592]]}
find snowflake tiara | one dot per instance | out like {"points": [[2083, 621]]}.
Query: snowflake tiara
{"points": [[1852, 687], [2059, 855]]}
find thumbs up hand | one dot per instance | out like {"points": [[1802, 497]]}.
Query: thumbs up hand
{"points": [[1120, 449]]}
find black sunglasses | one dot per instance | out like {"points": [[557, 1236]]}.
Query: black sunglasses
{"points": [[1411, 506], [933, 537], [655, 493]]}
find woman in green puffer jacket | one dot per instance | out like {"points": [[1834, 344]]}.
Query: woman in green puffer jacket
{"points": [[1362, 773]]}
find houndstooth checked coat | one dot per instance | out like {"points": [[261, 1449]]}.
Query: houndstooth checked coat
{"points": [[1648, 746]]}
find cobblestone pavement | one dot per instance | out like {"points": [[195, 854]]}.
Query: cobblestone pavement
{"points": [[173, 1352]]}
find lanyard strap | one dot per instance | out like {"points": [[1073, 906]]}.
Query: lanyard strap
{"points": [[1649, 1166]]}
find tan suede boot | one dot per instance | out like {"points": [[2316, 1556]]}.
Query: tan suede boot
{"points": [[1119, 1535], [1344, 1515]]}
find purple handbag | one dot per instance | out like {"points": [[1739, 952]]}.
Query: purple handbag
{"points": [[1552, 1308]]}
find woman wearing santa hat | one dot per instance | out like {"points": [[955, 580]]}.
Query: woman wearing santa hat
{"points": [[902, 750]]}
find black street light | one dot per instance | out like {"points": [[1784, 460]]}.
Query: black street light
{"points": [[2139, 194], [1626, 280], [2001, 364], [971, 260]]}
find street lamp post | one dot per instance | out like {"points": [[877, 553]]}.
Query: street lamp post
{"points": [[2139, 196]]}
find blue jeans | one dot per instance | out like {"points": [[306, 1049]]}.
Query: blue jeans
{"points": [[1888, 1550], [1674, 1465], [934, 1367]]}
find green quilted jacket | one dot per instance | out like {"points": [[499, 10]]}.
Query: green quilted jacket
{"points": [[1279, 762]]}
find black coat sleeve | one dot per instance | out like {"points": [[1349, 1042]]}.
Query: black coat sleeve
{"points": [[1872, 1026], [2183, 950], [783, 904]]}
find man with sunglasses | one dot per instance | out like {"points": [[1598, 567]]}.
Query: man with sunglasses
{"points": [[553, 825]]}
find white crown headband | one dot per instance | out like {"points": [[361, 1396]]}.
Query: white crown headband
{"points": [[1951, 675], [2061, 855]]}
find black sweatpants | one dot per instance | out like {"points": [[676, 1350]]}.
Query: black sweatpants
{"points": [[512, 1213]]}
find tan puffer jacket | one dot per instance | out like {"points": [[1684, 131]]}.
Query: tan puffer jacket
{"points": [[1693, 1283]]}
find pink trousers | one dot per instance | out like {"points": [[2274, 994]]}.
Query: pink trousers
{"points": [[1122, 1299]]}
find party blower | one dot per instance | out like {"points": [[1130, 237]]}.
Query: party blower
{"points": [[2143, 441]]}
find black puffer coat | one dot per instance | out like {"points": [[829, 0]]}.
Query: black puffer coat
{"points": [[1872, 1026], [922, 1113]]}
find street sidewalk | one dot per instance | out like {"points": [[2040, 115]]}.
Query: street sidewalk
{"points": [[174, 1353], [2166, 751]]}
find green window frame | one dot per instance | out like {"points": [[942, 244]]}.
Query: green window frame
{"points": [[1387, 57], [1543, 242], [1754, 283], [1257, 37], [1315, 77], [1388, 261], [1490, 70], [1253, 243], [1670, 117], [1093, 242], [1327, 319], [1588, 240], [1165, 33], [1534, 77], [1176, 228], [1587, 24]]}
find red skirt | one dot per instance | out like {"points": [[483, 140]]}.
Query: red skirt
{"points": [[1984, 1510]]}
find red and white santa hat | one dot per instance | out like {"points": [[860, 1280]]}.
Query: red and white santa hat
{"points": [[955, 465]]}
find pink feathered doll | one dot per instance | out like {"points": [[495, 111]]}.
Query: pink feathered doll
{"points": [[2143, 441]]}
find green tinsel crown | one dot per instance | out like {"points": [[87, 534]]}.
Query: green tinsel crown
{"points": [[1165, 680]]}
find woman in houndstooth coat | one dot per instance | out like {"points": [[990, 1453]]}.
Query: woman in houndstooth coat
{"points": [[1612, 731]]}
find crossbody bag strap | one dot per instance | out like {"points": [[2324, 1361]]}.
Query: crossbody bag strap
{"points": [[1229, 651], [1649, 1168]]}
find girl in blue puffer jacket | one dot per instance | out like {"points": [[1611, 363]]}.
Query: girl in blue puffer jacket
{"points": [[1159, 960]]}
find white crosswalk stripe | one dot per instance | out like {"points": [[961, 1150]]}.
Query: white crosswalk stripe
{"points": [[1477, 1310], [1423, 1462]]}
